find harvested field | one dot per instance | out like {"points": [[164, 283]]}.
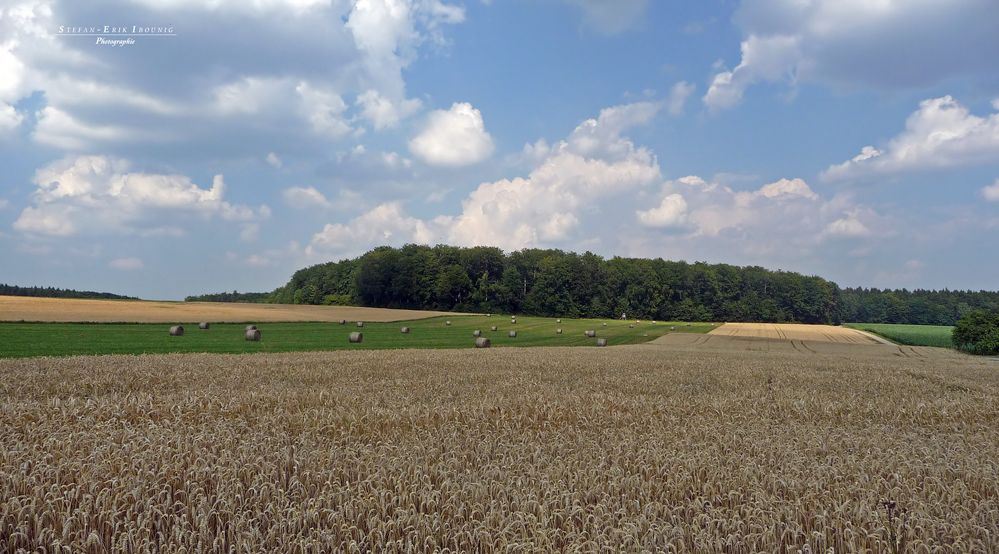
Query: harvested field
{"points": [[67, 310], [796, 331], [666, 446]]}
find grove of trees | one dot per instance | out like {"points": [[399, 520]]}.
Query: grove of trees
{"points": [[554, 282], [52, 292]]}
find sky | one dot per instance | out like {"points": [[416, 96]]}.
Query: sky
{"points": [[211, 145]]}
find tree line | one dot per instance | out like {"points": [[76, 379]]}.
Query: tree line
{"points": [[234, 296], [52, 292], [549, 282]]}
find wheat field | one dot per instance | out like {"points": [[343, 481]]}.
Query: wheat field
{"points": [[679, 446], [68, 310]]}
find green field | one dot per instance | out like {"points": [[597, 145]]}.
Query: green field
{"points": [[18, 340], [912, 335]]}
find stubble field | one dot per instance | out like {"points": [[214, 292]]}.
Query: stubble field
{"points": [[693, 443]]}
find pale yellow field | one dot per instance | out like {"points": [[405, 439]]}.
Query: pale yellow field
{"points": [[795, 331], [693, 443], [21, 308]]}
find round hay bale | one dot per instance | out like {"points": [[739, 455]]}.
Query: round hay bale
{"points": [[631, 326], [558, 321], [513, 321], [483, 342], [604, 324], [251, 327], [489, 315], [252, 335], [356, 337], [601, 342], [476, 333], [343, 322], [590, 333], [448, 322], [645, 334], [493, 328], [558, 331], [177, 331], [203, 325], [672, 328], [512, 334], [360, 324], [404, 330], [688, 325]]}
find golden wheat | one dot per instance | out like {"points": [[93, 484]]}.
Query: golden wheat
{"points": [[646, 448]]}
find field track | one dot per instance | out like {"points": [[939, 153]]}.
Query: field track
{"points": [[797, 332], [69, 310]]}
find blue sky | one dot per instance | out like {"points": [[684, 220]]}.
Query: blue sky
{"points": [[854, 139]]}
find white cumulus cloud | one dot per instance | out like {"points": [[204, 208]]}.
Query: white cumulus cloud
{"points": [[452, 138], [671, 212], [942, 133], [92, 194], [304, 198]]}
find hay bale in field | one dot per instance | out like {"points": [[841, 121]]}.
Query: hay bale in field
{"points": [[483, 342], [631, 326], [360, 324], [404, 330], [645, 334], [590, 333], [513, 321], [252, 335], [203, 325], [558, 321], [604, 324], [558, 331], [476, 333], [448, 322], [672, 328], [343, 322], [177, 331], [356, 337], [493, 328], [688, 325], [601, 342], [512, 334], [489, 315], [251, 327]]}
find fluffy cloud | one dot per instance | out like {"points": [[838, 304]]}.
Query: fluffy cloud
{"points": [[126, 264], [991, 192], [385, 224], [453, 138], [94, 194], [940, 134], [903, 44], [671, 212], [383, 112]]}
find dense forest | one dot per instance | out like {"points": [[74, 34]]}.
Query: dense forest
{"points": [[52, 292], [554, 282], [234, 296]]}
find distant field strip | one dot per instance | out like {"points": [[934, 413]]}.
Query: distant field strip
{"points": [[67, 310], [912, 335], [794, 332], [19, 340]]}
